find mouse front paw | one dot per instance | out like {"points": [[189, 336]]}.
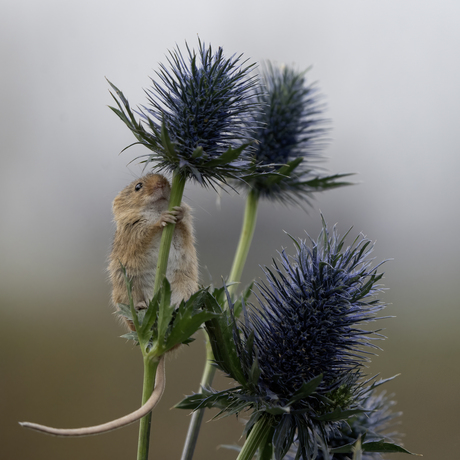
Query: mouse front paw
{"points": [[171, 217]]}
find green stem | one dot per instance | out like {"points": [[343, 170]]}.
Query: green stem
{"points": [[266, 446], [247, 231], [175, 199], [197, 416], [150, 367], [150, 370], [255, 439]]}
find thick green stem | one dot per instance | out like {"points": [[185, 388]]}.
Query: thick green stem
{"points": [[197, 416], [150, 370], [175, 199], [256, 438], [150, 367], [266, 446], [247, 231]]}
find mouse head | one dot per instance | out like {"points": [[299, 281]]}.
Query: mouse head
{"points": [[141, 195]]}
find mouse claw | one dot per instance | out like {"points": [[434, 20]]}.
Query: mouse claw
{"points": [[178, 212]]}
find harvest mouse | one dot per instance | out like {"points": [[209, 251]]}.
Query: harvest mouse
{"points": [[140, 212]]}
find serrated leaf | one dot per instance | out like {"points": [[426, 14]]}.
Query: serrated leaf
{"points": [[131, 336], [150, 316], [328, 182], [220, 332], [192, 402], [125, 311], [187, 326], [209, 399]]}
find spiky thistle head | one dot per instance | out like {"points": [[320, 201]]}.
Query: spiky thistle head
{"points": [[298, 356], [291, 132], [310, 310], [196, 119]]}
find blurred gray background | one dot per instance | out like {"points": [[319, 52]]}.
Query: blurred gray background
{"points": [[390, 71]]}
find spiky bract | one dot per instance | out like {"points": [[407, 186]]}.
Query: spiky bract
{"points": [[196, 120], [290, 133]]}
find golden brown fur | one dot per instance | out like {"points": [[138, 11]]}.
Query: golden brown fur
{"points": [[140, 216]]}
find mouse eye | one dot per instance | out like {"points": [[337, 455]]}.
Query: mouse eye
{"points": [[138, 186]]}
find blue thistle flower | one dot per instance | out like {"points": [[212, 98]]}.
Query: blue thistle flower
{"points": [[291, 125], [290, 134], [196, 120], [298, 356], [309, 311]]}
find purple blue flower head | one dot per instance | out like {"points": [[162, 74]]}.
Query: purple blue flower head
{"points": [[290, 133], [195, 122], [298, 356]]}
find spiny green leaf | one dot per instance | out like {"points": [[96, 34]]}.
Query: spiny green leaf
{"points": [[151, 314], [125, 311], [131, 336], [328, 182]]}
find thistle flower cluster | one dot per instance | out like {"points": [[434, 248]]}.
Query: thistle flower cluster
{"points": [[196, 122], [290, 133], [298, 356], [372, 425]]}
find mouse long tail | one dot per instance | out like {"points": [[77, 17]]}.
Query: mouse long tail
{"points": [[114, 424]]}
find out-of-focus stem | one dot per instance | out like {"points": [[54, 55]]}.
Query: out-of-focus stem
{"points": [[197, 416], [247, 231]]}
